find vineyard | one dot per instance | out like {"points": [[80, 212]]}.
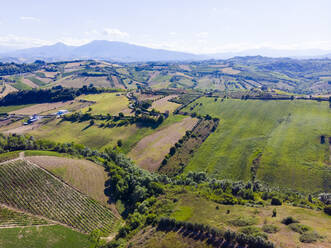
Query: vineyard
{"points": [[25, 186], [9, 217]]}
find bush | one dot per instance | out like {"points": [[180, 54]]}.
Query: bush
{"points": [[309, 237], [327, 210], [289, 220], [270, 228], [299, 228], [243, 221], [276, 202]]}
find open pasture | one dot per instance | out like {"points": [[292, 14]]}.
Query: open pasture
{"points": [[280, 140]]}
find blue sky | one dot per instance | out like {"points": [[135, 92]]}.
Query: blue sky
{"points": [[199, 26]]}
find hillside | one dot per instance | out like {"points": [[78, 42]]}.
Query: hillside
{"points": [[279, 140], [245, 74], [49, 197], [99, 49]]}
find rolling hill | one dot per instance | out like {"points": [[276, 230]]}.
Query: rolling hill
{"points": [[99, 49]]}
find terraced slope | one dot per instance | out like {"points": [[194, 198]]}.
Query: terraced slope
{"points": [[27, 187]]}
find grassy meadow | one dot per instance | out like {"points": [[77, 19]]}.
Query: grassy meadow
{"points": [[111, 103], [196, 209], [96, 137], [282, 138], [54, 236]]}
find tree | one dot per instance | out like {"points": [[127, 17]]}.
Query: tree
{"points": [[274, 212], [119, 143]]}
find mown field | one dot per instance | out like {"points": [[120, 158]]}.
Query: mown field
{"points": [[54, 236], [280, 139], [149, 152]]}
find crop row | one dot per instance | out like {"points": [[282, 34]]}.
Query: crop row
{"points": [[25, 186]]}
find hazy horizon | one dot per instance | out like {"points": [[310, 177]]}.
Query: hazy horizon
{"points": [[199, 27]]}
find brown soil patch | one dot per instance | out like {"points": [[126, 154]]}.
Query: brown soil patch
{"points": [[117, 84], [7, 90], [29, 83], [163, 104], [40, 108], [23, 128], [49, 74], [153, 75], [185, 67], [230, 70], [151, 150]]}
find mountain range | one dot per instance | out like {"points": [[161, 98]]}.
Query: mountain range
{"points": [[125, 52]]}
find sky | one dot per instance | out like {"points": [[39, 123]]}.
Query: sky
{"points": [[196, 26]]}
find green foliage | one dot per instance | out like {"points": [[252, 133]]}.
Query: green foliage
{"points": [[276, 202], [327, 209], [289, 220], [54, 236], [270, 228], [309, 237], [284, 130], [299, 228], [243, 221]]}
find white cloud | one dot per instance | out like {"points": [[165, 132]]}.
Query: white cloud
{"points": [[29, 18], [114, 33], [172, 33]]}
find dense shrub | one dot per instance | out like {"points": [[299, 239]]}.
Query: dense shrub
{"points": [[289, 220], [276, 202], [327, 210]]}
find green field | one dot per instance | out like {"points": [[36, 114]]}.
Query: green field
{"points": [[111, 103], [196, 209], [95, 136], [283, 137], [54, 236], [6, 109]]}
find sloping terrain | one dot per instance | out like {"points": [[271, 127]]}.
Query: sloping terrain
{"points": [[150, 151], [278, 140], [86, 176], [27, 187]]}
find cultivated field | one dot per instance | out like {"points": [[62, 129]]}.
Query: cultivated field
{"points": [[164, 105], [10, 218], [25, 186], [282, 139], [107, 103], [74, 81], [151, 150], [41, 108], [86, 176]]}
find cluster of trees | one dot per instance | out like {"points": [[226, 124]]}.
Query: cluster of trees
{"points": [[214, 235], [13, 68], [129, 183], [55, 94], [116, 121]]}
